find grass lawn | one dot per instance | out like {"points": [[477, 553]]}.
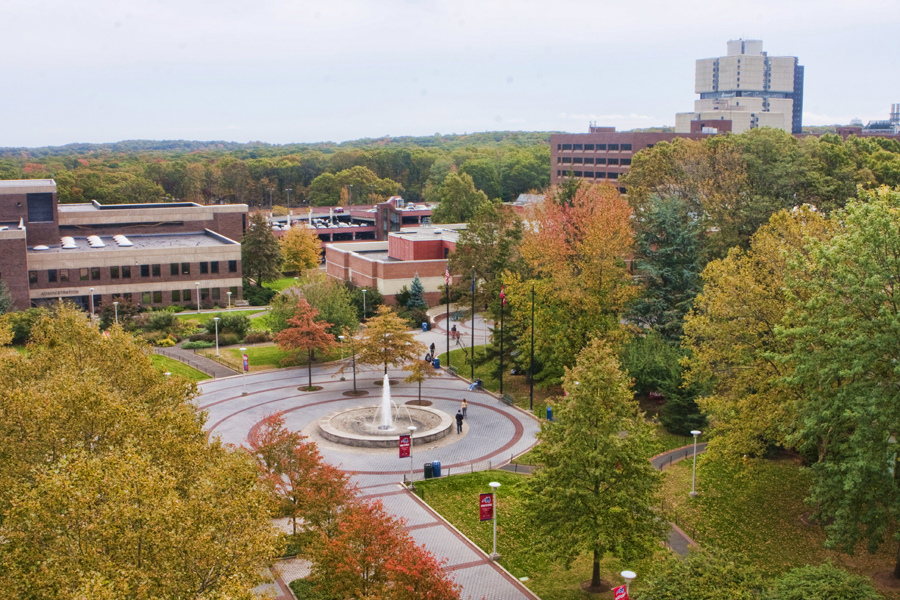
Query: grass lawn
{"points": [[280, 284], [262, 358], [166, 364], [456, 499], [205, 317], [755, 508]]}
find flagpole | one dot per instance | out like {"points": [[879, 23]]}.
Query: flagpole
{"points": [[447, 289], [531, 363], [502, 304], [472, 358]]}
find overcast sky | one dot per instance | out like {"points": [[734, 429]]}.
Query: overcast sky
{"points": [[284, 71]]}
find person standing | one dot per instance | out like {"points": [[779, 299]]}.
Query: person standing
{"points": [[459, 421], [465, 405], [432, 348]]}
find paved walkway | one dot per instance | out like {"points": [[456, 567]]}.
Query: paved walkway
{"points": [[199, 362], [678, 541]]}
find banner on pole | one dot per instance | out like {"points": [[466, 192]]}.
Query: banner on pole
{"points": [[620, 593], [405, 442], [246, 364], [486, 506]]}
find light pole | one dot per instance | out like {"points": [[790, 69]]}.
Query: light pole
{"points": [[271, 205], [92, 305], [494, 485], [229, 300], [628, 576], [216, 319], [243, 372], [412, 432], [340, 337], [364, 304], [198, 297], [694, 433], [288, 192], [116, 308]]}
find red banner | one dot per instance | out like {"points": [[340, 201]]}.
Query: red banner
{"points": [[246, 363], [404, 446], [620, 593], [486, 506]]}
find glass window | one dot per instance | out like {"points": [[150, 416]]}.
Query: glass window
{"points": [[176, 295], [40, 207], [32, 277], [156, 270], [601, 146], [204, 268], [600, 175], [173, 269], [145, 298], [204, 293], [145, 270], [588, 173], [567, 160], [578, 160], [567, 146], [232, 266], [577, 146], [126, 272], [157, 297], [626, 161], [613, 146], [233, 290], [63, 275], [589, 160], [558, 159], [114, 272], [626, 146], [612, 175], [127, 296], [588, 146], [216, 293], [83, 274], [214, 266], [95, 273], [577, 173], [186, 295], [51, 275], [601, 161], [185, 268], [612, 161]]}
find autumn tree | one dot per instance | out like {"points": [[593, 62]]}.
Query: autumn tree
{"points": [[304, 333], [419, 371], [459, 199], [260, 252], [386, 340], [308, 489], [332, 299], [596, 488], [301, 248]]}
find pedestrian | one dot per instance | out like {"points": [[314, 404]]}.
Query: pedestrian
{"points": [[465, 405], [453, 332], [459, 420], [427, 357], [432, 348]]}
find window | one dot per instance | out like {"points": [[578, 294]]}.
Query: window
{"points": [[157, 297], [63, 275], [626, 161], [613, 146], [95, 273], [145, 270], [612, 175], [185, 268], [567, 160], [600, 175], [588, 146], [186, 295], [51, 275], [233, 290], [577, 146], [601, 161], [232, 266], [145, 298], [612, 161], [626, 147], [567, 146], [83, 274], [156, 270], [40, 207], [176, 295], [558, 160], [577, 173], [204, 293], [173, 269], [558, 172], [559, 146], [204, 268], [650, 145], [214, 266], [216, 293], [589, 161], [601, 146], [578, 160], [127, 296], [114, 272], [126, 272], [588, 173], [32, 277]]}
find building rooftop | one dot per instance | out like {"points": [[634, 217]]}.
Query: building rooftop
{"points": [[17, 183], [140, 242]]}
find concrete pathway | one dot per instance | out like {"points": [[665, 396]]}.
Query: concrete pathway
{"points": [[198, 361], [678, 541]]}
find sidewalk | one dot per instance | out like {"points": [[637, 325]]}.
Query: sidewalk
{"points": [[201, 363]]}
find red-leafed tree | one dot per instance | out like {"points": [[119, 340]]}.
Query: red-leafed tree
{"points": [[306, 487], [372, 556], [305, 333]]}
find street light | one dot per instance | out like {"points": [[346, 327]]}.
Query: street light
{"points": [[116, 308], [198, 297], [694, 433], [628, 576], [243, 372], [229, 300], [288, 192], [340, 337], [92, 305], [494, 485], [364, 304], [216, 319]]}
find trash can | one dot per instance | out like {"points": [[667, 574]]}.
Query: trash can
{"points": [[549, 413], [429, 470], [436, 363], [436, 468], [425, 326]]}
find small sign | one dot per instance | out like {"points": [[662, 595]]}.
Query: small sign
{"points": [[246, 364], [404, 446], [486, 506], [620, 593]]}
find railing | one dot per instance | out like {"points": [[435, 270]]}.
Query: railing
{"points": [[181, 358]]}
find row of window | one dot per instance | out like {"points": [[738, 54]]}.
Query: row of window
{"points": [[587, 160], [588, 174], [176, 295], [612, 147], [124, 272]]}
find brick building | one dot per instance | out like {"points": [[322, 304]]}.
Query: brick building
{"points": [[92, 254]]}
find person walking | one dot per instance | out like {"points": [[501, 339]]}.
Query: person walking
{"points": [[432, 348], [459, 421], [465, 405]]}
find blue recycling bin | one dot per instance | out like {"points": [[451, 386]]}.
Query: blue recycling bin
{"points": [[549, 413], [425, 326], [436, 468], [436, 363]]}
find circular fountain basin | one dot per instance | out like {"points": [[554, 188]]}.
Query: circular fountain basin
{"points": [[357, 426]]}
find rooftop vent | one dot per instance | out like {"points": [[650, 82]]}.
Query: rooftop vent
{"points": [[95, 241]]}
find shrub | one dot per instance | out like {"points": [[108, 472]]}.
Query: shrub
{"points": [[166, 342], [238, 324], [824, 582], [258, 296], [229, 339], [202, 337], [208, 303], [21, 323], [154, 336], [257, 337], [162, 321], [198, 344]]}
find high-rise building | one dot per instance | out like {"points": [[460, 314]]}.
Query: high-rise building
{"points": [[747, 87]]}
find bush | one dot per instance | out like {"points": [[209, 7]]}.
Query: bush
{"points": [[257, 337], [21, 323], [825, 582], [202, 337], [197, 345], [257, 296], [208, 303], [166, 342], [229, 339], [238, 324], [162, 321], [154, 337]]}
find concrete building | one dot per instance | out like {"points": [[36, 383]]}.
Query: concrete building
{"points": [[93, 254], [749, 88]]}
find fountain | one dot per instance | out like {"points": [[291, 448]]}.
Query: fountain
{"points": [[374, 426]]}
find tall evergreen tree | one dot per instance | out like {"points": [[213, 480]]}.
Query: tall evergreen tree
{"points": [[416, 292], [260, 252]]}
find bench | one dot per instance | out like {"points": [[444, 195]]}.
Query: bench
{"points": [[507, 399]]}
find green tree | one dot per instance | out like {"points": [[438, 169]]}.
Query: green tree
{"points": [[260, 253], [704, 575], [333, 301], [6, 300], [459, 200], [386, 340], [822, 582], [596, 488], [416, 291]]}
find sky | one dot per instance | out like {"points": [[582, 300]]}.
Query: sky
{"points": [[285, 71]]}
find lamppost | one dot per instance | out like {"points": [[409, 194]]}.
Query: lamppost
{"points": [[216, 319], [340, 337], [116, 308], [271, 205], [628, 576], [229, 300], [288, 192], [694, 433], [494, 485], [412, 431], [364, 304], [92, 305], [198, 296], [243, 372]]}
